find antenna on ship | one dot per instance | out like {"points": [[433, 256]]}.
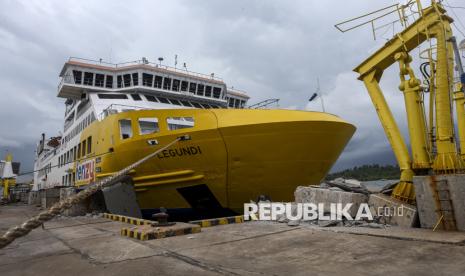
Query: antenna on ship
{"points": [[160, 59], [175, 60]]}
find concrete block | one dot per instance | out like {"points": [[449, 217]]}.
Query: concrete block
{"points": [[24, 197], [317, 195], [34, 198], [49, 197], [441, 196], [78, 209], [392, 211]]}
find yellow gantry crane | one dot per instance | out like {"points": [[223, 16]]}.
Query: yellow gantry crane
{"points": [[433, 144]]}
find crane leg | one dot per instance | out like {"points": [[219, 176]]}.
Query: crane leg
{"points": [[421, 161], [447, 159], [459, 105], [404, 190]]}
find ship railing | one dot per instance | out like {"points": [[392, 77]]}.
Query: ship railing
{"points": [[68, 124], [68, 79], [47, 153], [235, 90], [264, 104], [145, 62], [116, 108]]}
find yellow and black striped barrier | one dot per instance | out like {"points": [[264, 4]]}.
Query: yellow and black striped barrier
{"points": [[218, 221], [150, 233], [130, 220]]}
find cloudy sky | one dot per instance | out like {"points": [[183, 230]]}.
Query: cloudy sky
{"points": [[271, 49]]}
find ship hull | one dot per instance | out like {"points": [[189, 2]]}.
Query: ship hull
{"points": [[233, 157]]}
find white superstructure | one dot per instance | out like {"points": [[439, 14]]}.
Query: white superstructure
{"points": [[94, 89]]}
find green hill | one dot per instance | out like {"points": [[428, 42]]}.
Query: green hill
{"points": [[368, 172]]}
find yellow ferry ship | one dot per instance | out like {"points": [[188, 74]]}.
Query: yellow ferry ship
{"points": [[118, 113]]}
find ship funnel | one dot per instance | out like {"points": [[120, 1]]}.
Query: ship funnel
{"points": [[41, 144]]}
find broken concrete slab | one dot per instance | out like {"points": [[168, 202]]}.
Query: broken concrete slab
{"points": [[388, 210], [378, 186], [329, 223], [350, 186], [295, 222], [326, 196], [348, 182], [373, 225]]}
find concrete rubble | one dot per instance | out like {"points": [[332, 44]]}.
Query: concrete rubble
{"points": [[386, 211], [392, 211], [328, 196], [348, 185]]}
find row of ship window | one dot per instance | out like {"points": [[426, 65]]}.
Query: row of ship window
{"points": [[235, 103], [148, 80], [79, 127], [68, 179], [81, 150], [150, 125], [232, 102], [45, 170], [146, 126], [157, 99]]}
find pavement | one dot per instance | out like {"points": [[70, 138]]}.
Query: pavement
{"points": [[93, 246]]}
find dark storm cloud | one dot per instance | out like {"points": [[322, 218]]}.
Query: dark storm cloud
{"points": [[271, 49]]}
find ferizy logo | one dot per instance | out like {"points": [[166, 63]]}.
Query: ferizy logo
{"points": [[305, 211], [85, 171]]}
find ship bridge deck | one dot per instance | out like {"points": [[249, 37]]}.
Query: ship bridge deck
{"points": [[80, 76]]}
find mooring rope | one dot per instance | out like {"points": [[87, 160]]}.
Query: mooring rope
{"points": [[34, 222]]}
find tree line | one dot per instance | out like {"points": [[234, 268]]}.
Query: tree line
{"points": [[368, 172]]}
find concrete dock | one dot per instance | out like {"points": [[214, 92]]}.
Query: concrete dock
{"points": [[93, 246]]}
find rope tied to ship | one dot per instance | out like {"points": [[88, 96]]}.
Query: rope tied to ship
{"points": [[36, 221]]}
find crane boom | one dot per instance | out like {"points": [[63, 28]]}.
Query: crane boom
{"points": [[405, 41]]}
